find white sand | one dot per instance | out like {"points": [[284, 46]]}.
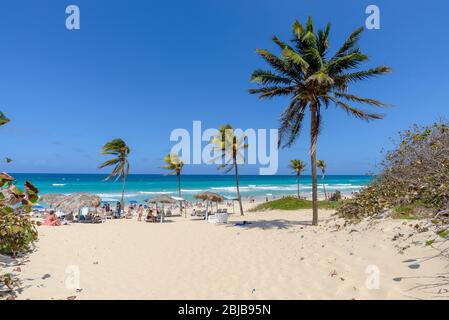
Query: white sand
{"points": [[278, 256]]}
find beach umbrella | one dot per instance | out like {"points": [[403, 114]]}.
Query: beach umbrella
{"points": [[72, 203], [209, 196], [163, 199], [52, 198]]}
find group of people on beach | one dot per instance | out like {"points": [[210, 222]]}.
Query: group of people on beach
{"points": [[134, 209]]}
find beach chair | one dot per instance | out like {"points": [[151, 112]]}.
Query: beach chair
{"points": [[222, 217], [109, 215], [218, 218]]}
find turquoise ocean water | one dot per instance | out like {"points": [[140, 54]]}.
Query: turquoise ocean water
{"points": [[140, 187]]}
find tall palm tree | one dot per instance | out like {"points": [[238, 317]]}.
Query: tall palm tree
{"points": [[297, 166], [230, 146], [313, 80], [175, 165], [120, 151], [322, 165]]}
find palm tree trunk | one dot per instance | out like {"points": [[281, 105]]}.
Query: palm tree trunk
{"points": [[237, 185], [123, 191], [297, 181], [313, 140], [324, 187], [179, 194]]}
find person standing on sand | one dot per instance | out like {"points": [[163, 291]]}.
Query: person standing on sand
{"points": [[118, 210], [140, 213]]}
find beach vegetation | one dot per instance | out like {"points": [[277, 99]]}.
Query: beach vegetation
{"points": [[413, 180], [120, 152], [293, 203], [297, 166], [17, 230], [313, 80], [230, 148]]}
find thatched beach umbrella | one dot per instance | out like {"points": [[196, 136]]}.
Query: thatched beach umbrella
{"points": [[163, 199], [209, 196], [52, 198], [75, 201]]}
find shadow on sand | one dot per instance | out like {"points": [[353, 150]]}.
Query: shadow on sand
{"points": [[278, 224]]}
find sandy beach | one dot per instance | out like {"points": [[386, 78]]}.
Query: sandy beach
{"points": [[278, 256]]}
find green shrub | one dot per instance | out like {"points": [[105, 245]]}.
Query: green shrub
{"points": [[292, 203], [414, 177], [17, 230]]}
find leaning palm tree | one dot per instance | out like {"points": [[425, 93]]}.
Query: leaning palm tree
{"points": [[297, 166], [313, 80], [229, 146], [175, 165], [322, 165], [120, 151]]}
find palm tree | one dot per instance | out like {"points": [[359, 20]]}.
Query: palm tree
{"points": [[229, 146], [3, 119], [120, 151], [297, 166], [313, 81], [322, 165], [175, 164]]}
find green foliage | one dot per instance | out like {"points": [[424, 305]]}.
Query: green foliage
{"points": [[404, 211], [120, 151], [414, 180], [429, 242], [17, 230], [173, 163], [312, 78], [444, 234], [297, 166], [3, 119], [229, 146], [292, 203]]}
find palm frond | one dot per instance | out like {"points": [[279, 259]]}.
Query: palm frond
{"points": [[267, 77], [351, 97], [270, 92], [358, 113], [349, 45]]}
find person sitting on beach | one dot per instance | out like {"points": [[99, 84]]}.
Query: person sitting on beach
{"points": [[52, 220], [150, 217]]}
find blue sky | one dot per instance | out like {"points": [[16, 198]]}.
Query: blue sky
{"points": [[139, 69]]}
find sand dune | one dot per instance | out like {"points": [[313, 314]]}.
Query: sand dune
{"points": [[278, 256]]}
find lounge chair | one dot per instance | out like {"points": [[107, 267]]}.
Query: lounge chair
{"points": [[218, 218]]}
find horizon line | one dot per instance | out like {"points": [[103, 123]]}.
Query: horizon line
{"points": [[187, 174]]}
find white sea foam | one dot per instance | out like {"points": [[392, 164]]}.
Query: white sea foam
{"points": [[155, 192], [58, 184]]}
